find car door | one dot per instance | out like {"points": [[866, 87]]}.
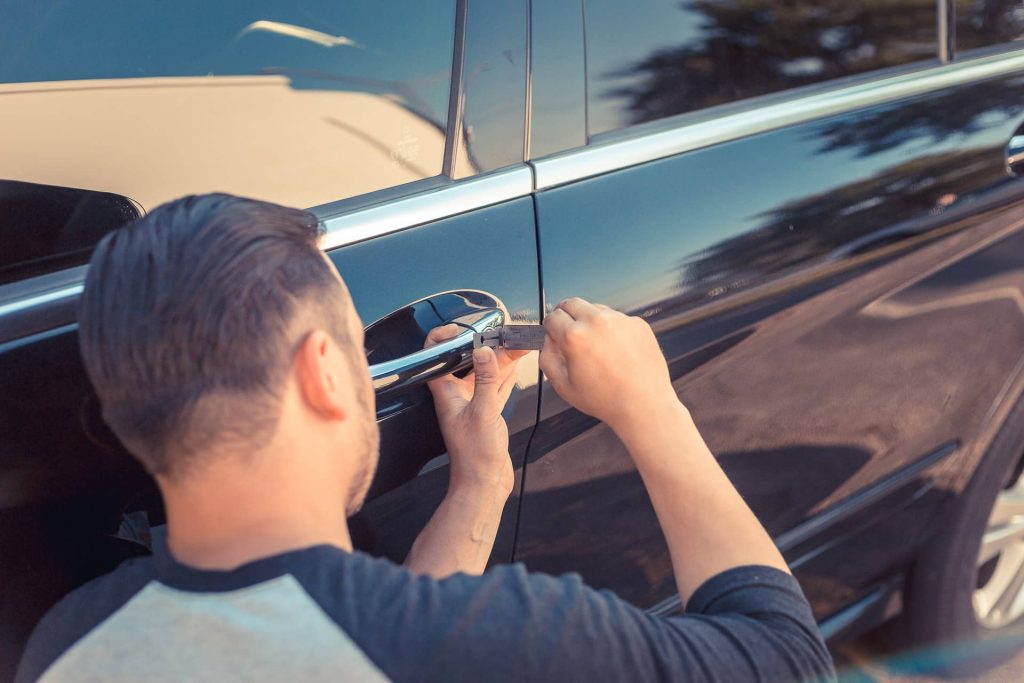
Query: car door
{"points": [[401, 127], [810, 205]]}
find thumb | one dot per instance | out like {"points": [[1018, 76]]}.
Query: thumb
{"points": [[488, 380]]}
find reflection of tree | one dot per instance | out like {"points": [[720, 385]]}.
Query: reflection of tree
{"points": [[863, 213], [753, 47], [988, 22], [747, 48], [936, 116]]}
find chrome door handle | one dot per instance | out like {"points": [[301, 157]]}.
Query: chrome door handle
{"points": [[1015, 154], [441, 359]]}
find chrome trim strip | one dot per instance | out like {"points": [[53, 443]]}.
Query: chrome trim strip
{"points": [[453, 137], [621, 153], [528, 114], [344, 228], [34, 300], [586, 73], [861, 500], [431, 205], [946, 13]]}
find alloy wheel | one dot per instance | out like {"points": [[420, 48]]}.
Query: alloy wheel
{"points": [[999, 596]]}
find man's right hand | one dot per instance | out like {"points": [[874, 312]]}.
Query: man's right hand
{"points": [[605, 363], [608, 365]]}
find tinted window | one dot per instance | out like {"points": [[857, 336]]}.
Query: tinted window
{"points": [[494, 83], [301, 101], [980, 23], [648, 59], [45, 228]]}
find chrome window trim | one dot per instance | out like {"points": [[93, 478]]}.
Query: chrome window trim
{"points": [[456, 93], [366, 222], [431, 205], [52, 296], [341, 228], [946, 16], [630, 150], [528, 109]]}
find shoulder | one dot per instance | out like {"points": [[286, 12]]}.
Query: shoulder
{"points": [[78, 613]]}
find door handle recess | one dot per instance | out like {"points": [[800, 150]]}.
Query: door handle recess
{"points": [[1015, 154], [452, 355]]}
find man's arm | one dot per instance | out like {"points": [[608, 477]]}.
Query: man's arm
{"points": [[460, 535], [744, 620], [609, 366]]}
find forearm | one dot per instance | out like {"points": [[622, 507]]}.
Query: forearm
{"points": [[460, 535], [708, 526]]}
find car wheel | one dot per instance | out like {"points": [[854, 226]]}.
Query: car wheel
{"points": [[969, 582], [998, 599]]}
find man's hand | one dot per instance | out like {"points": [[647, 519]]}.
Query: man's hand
{"points": [[609, 365], [460, 535], [469, 413], [605, 363]]}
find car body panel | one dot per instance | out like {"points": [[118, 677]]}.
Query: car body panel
{"points": [[834, 275], [491, 250], [837, 300]]}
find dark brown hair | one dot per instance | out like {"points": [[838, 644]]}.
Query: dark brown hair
{"points": [[186, 324]]}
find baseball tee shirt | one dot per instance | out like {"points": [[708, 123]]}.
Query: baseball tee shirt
{"points": [[325, 614]]}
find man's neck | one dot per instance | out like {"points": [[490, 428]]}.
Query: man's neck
{"points": [[225, 519]]}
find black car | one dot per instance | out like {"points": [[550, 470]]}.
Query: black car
{"points": [[814, 204]]}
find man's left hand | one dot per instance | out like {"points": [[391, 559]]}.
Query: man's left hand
{"points": [[469, 413]]}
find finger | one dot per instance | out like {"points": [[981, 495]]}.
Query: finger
{"points": [[552, 364], [506, 356], [555, 325], [505, 390], [440, 334], [488, 381], [578, 308]]}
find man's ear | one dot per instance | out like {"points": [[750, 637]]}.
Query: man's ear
{"points": [[322, 376]]}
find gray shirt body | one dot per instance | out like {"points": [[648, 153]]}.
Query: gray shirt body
{"points": [[322, 613]]}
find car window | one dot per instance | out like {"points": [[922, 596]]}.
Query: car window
{"points": [[301, 102], [981, 23], [649, 59]]}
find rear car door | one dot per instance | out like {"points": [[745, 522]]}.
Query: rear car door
{"points": [[401, 127], [810, 204]]}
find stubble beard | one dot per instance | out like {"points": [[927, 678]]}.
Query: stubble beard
{"points": [[369, 455]]}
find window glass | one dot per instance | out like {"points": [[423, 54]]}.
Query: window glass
{"points": [[494, 86], [980, 23], [648, 59], [45, 228], [301, 102]]}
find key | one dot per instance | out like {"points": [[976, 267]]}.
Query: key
{"points": [[512, 337]]}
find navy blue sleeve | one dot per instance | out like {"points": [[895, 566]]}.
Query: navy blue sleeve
{"points": [[746, 624], [78, 613]]}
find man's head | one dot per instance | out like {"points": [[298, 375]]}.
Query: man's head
{"points": [[215, 322]]}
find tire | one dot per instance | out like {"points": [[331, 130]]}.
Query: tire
{"points": [[953, 597]]}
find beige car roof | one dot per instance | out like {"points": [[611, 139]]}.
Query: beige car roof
{"points": [[156, 139]]}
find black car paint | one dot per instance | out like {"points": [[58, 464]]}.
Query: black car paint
{"points": [[823, 351], [848, 427], [67, 482], [491, 250]]}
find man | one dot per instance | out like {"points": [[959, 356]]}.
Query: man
{"points": [[228, 358]]}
